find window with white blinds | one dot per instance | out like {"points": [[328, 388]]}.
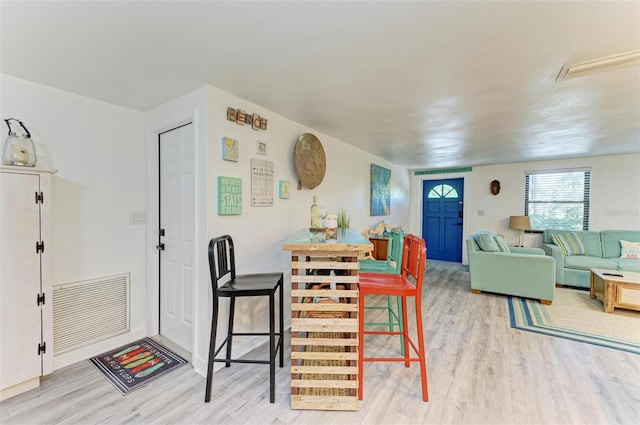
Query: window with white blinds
{"points": [[558, 199]]}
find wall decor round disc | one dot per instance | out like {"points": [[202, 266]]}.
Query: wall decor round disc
{"points": [[309, 160]]}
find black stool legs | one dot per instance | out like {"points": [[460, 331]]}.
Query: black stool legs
{"points": [[232, 314], [212, 347], [275, 346]]}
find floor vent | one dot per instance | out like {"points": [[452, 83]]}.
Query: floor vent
{"points": [[89, 311]]}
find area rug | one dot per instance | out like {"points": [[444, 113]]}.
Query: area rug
{"points": [[133, 365], [574, 315]]}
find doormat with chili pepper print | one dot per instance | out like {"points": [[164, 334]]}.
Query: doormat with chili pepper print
{"points": [[133, 365]]}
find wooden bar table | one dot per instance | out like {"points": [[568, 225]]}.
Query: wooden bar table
{"points": [[324, 319]]}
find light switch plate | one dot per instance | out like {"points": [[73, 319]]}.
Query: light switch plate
{"points": [[137, 217]]}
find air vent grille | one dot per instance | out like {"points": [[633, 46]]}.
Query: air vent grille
{"points": [[89, 311]]}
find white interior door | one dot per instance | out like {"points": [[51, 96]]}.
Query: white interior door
{"points": [[177, 222]]}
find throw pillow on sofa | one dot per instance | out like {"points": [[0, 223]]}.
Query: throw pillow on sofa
{"points": [[486, 242], [630, 249], [502, 244], [570, 242]]}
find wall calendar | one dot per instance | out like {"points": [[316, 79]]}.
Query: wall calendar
{"points": [[261, 183]]}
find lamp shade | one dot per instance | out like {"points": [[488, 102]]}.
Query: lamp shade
{"points": [[519, 222]]}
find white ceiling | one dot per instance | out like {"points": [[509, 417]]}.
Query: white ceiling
{"points": [[421, 84]]}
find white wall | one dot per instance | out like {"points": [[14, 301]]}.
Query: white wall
{"points": [[259, 232], [99, 152], [615, 194], [106, 158]]}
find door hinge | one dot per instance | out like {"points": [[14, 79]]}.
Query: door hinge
{"points": [[39, 198], [40, 299], [39, 247], [42, 348]]}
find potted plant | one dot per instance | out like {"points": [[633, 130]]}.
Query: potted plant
{"points": [[343, 219]]}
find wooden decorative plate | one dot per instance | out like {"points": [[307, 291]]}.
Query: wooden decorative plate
{"points": [[309, 160]]}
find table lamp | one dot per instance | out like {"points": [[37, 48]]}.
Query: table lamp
{"points": [[520, 223]]}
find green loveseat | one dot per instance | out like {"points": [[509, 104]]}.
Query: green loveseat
{"points": [[522, 272], [602, 251]]}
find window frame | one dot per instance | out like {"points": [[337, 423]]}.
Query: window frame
{"points": [[585, 202]]}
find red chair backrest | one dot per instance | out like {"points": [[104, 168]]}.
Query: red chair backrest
{"points": [[414, 259]]}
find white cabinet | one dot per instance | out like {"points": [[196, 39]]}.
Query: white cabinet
{"points": [[26, 322]]}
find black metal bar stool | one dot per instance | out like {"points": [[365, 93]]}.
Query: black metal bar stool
{"points": [[226, 283]]}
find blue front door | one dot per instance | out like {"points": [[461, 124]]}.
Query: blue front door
{"points": [[442, 207]]}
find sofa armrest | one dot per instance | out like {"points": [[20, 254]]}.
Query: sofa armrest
{"points": [[523, 275], [557, 253], [530, 251]]}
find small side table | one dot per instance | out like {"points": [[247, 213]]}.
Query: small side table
{"points": [[380, 246]]}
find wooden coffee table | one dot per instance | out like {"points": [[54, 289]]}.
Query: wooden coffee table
{"points": [[616, 288]]}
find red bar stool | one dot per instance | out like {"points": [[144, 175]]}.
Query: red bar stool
{"points": [[407, 284]]}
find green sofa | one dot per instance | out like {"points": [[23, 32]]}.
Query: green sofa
{"points": [[602, 251], [522, 272]]}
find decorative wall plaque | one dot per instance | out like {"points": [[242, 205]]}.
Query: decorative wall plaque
{"points": [[229, 196], [241, 117], [309, 161]]}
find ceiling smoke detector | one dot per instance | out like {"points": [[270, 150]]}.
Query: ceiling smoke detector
{"points": [[608, 63]]}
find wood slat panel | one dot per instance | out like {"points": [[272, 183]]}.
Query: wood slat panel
{"points": [[324, 383], [324, 403], [323, 328], [322, 355], [332, 265], [333, 370], [322, 279], [336, 354], [330, 322], [327, 342], [341, 293], [324, 307]]}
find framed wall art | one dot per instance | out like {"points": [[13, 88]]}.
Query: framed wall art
{"points": [[284, 189], [380, 190], [230, 149], [261, 147]]}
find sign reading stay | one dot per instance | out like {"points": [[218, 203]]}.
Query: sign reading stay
{"points": [[229, 196]]}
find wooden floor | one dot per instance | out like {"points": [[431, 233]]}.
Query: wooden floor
{"points": [[480, 372]]}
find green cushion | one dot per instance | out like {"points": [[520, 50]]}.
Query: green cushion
{"points": [[611, 245], [570, 242], [486, 242], [627, 264], [502, 244], [585, 262]]}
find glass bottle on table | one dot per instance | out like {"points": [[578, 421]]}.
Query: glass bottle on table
{"points": [[315, 213]]}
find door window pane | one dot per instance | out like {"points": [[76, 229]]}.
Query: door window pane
{"points": [[442, 191]]}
